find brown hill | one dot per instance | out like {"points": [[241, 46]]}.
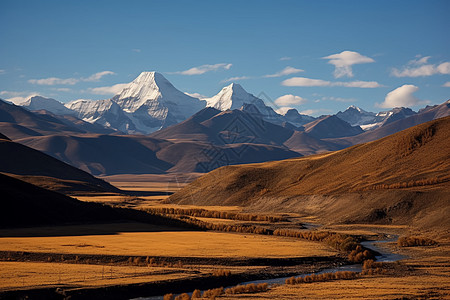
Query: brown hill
{"points": [[403, 178], [43, 170]]}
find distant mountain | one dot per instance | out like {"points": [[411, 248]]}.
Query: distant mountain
{"points": [[48, 104], [392, 126], [331, 127], [155, 103], [79, 124], [106, 113], [234, 96], [227, 127], [294, 117], [38, 168], [147, 104], [17, 122], [356, 116]]}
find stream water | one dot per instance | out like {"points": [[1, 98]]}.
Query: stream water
{"points": [[385, 256]]}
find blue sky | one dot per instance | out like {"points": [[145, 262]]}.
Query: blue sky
{"points": [[317, 56]]}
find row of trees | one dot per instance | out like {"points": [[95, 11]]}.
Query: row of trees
{"points": [[203, 213], [322, 277], [411, 183]]}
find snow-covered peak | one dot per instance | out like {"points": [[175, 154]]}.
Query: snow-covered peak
{"points": [[353, 107], [232, 96], [151, 86], [48, 104]]}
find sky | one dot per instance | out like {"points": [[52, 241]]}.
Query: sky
{"points": [[316, 56]]}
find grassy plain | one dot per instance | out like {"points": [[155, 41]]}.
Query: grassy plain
{"points": [[423, 275]]}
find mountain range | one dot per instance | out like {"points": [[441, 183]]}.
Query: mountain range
{"points": [[152, 127]]}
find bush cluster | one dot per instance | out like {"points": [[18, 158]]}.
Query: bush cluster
{"points": [[371, 267], [411, 241], [359, 254]]}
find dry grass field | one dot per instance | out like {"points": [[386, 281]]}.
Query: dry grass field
{"points": [[25, 275], [169, 243]]}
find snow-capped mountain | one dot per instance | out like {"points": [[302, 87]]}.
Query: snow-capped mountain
{"points": [[104, 112], [48, 104], [356, 116], [234, 96], [155, 103], [148, 103]]}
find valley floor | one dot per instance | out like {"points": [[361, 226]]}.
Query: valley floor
{"points": [[136, 259]]}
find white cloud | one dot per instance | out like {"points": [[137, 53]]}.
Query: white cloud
{"points": [[235, 78], [358, 84], [196, 95], [136, 50], [420, 68], [285, 71], [2, 71], [339, 99], [69, 81], [283, 110], [54, 81], [203, 69], [344, 61], [401, 97], [62, 89], [303, 81], [290, 100], [108, 90], [285, 58], [98, 76], [447, 84], [315, 111]]}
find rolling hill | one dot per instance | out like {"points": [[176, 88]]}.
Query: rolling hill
{"points": [[401, 179], [45, 171]]}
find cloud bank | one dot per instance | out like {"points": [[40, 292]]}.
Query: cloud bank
{"points": [[421, 68], [303, 81], [203, 69]]}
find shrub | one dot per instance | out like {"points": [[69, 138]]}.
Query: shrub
{"points": [[412, 241]]}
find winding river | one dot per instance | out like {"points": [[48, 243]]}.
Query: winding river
{"points": [[385, 256]]}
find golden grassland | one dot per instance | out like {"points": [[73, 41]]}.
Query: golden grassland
{"points": [[170, 243], [21, 275]]}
